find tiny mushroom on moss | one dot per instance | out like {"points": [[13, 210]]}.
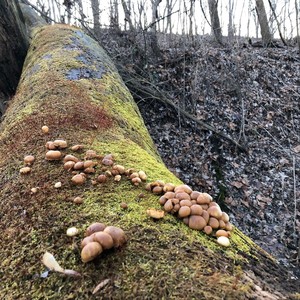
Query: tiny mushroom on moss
{"points": [[117, 234], [104, 239], [78, 200], [95, 227], [25, 170], [61, 144], [76, 147], [78, 179], [45, 129], [90, 251], [223, 241], [53, 155], [72, 231], [155, 214], [197, 222], [70, 157], [29, 159]]}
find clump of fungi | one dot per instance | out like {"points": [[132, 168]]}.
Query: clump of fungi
{"points": [[196, 209], [99, 237]]}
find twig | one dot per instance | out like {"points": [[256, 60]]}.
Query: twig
{"points": [[145, 87]]}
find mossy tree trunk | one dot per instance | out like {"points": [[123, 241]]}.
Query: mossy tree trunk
{"points": [[69, 84]]}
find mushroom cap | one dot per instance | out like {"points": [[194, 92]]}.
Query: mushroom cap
{"points": [[194, 195], [45, 129], [53, 155], [228, 226], [72, 231], [29, 159], [69, 165], [25, 170], [78, 165], [169, 187], [183, 187], [196, 209], [215, 212], [157, 190], [182, 196], [102, 178], [76, 147], [185, 202], [89, 164], [70, 157], [213, 222], [78, 179], [50, 145], [204, 198], [95, 227], [142, 175], [205, 215], [222, 232], [223, 241], [117, 234], [197, 222], [162, 200], [86, 240], [207, 229], [60, 144], [168, 206], [184, 211], [90, 251], [78, 200], [225, 217], [169, 195], [104, 239]]}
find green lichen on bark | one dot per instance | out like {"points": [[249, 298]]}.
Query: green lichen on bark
{"points": [[70, 84]]}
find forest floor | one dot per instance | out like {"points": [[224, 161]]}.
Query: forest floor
{"points": [[251, 95]]}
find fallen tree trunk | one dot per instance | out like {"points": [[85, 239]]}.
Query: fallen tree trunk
{"points": [[70, 85]]}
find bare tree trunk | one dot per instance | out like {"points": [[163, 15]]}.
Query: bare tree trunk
{"points": [[215, 22], [263, 22], [13, 48], [230, 20], [297, 24], [96, 16], [277, 23], [153, 28], [127, 15], [191, 16]]}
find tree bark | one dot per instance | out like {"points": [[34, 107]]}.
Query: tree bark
{"points": [[263, 22], [96, 16], [13, 48], [215, 22], [69, 84]]}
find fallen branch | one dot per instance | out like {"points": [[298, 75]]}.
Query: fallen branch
{"points": [[144, 87]]}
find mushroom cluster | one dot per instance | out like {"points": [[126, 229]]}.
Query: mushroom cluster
{"points": [[28, 161], [100, 237], [196, 209]]}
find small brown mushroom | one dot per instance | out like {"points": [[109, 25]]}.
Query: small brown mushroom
{"points": [[45, 129], [182, 196], [207, 229], [196, 209], [162, 200], [60, 144], [78, 200], [183, 187], [25, 170], [69, 165], [142, 175], [136, 180], [117, 234], [169, 187], [53, 155], [70, 157], [104, 239], [222, 232], [204, 198], [77, 147], [185, 202], [102, 178], [86, 240], [78, 165], [184, 211], [78, 179], [29, 159], [213, 222], [50, 145], [197, 222], [91, 251], [215, 212], [157, 190], [95, 227], [194, 195], [168, 206]]}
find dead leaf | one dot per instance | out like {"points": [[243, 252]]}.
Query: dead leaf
{"points": [[101, 285], [155, 214], [297, 149], [237, 184]]}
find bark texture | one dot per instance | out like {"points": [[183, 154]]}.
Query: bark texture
{"points": [[214, 18], [263, 22], [69, 84], [13, 48]]}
